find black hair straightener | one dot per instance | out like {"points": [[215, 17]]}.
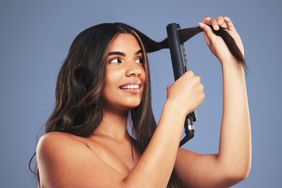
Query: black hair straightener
{"points": [[179, 64]]}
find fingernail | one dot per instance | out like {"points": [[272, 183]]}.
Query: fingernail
{"points": [[216, 27], [220, 21]]}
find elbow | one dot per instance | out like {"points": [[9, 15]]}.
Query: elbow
{"points": [[236, 169], [237, 174], [240, 175]]}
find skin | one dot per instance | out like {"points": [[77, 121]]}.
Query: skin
{"points": [[105, 159]]}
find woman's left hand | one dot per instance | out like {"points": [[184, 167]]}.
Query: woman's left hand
{"points": [[216, 43]]}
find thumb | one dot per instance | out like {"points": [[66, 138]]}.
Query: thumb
{"points": [[167, 89]]}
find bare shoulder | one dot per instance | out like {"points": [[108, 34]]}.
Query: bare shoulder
{"points": [[56, 145], [51, 143], [51, 138], [64, 155]]}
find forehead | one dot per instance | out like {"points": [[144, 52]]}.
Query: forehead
{"points": [[124, 42]]}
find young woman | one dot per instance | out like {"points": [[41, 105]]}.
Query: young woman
{"points": [[105, 81]]}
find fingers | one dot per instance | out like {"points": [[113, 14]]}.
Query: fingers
{"points": [[214, 24], [206, 20], [208, 31], [218, 22], [229, 24], [221, 22]]}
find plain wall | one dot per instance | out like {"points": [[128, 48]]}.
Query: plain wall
{"points": [[35, 37]]}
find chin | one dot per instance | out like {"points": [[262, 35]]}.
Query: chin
{"points": [[132, 106], [129, 106], [122, 104]]}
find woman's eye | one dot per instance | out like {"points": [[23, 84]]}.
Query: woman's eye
{"points": [[140, 60], [115, 60]]}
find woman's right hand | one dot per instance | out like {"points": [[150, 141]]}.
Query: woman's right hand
{"points": [[186, 93]]}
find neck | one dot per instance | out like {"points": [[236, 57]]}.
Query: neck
{"points": [[113, 125]]}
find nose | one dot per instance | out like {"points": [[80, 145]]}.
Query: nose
{"points": [[134, 70]]}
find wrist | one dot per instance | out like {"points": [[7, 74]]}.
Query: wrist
{"points": [[232, 72], [231, 64], [175, 108]]}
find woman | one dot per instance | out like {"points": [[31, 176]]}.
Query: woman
{"points": [[103, 82]]}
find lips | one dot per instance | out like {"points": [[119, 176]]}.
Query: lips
{"points": [[132, 87]]}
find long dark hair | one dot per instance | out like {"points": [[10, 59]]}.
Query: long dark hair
{"points": [[79, 105]]}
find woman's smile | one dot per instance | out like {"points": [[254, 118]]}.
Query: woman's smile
{"points": [[132, 87]]}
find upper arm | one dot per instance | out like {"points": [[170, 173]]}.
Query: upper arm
{"points": [[198, 170], [66, 162]]}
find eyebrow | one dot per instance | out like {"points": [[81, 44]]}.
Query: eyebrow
{"points": [[123, 54]]}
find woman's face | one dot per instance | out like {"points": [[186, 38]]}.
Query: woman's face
{"points": [[125, 73]]}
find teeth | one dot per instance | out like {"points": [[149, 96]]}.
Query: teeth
{"points": [[131, 87]]}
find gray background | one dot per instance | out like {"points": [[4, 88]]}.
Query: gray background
{"points": [[35, 37]]}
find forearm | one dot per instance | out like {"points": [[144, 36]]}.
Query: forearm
{"points": [[235, 137], [156, 164]]}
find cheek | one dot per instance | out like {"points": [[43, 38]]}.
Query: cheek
{"points": [[111, 83], [114, 96], [144, 78]]}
